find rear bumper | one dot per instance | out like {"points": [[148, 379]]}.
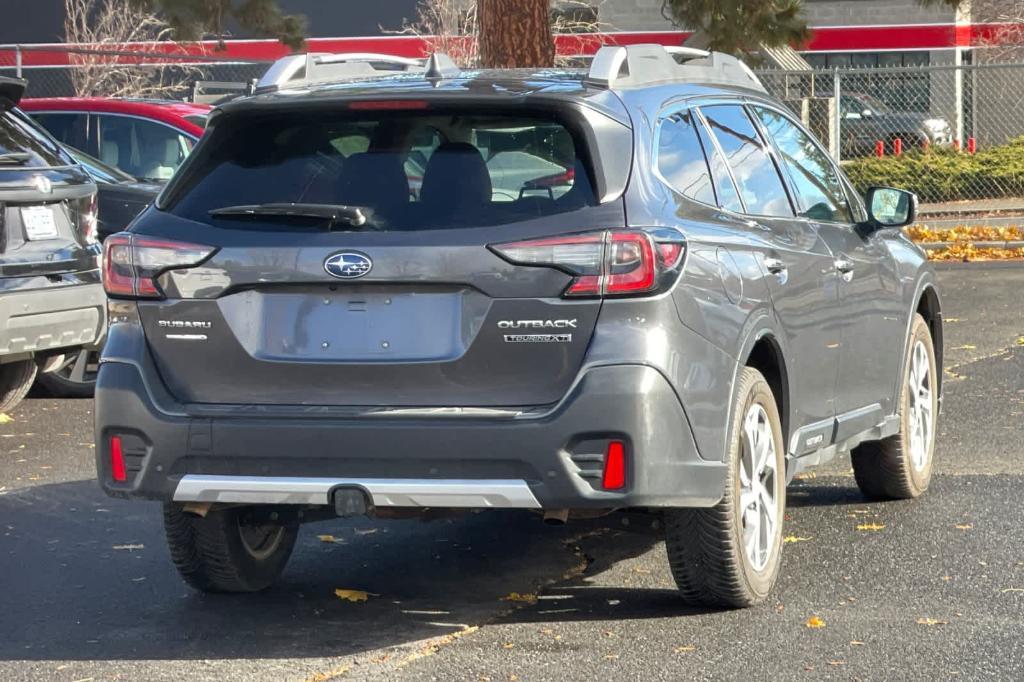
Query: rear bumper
{"points": [[548, 460], [51, 318]]}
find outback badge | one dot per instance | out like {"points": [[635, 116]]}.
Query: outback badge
{"points": [[347, 265]]}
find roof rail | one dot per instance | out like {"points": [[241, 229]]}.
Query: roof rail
{"points": [[635, 65], [323, 67]]}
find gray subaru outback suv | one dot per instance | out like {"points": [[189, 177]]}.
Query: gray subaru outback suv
{"points": [[680, 305]]}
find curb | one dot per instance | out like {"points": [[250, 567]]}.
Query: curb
{"points": [[935, 246], [940, 265]]}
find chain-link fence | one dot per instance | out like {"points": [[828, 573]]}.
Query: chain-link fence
{"points": [[75, 71], [949, 133]]}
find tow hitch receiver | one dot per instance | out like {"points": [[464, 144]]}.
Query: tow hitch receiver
{"points": [[351, 502]]}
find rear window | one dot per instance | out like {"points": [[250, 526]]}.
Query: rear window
{"points": [[405, 171], [19, 136]]}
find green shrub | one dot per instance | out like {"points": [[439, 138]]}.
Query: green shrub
{"points": [[946, 175]]}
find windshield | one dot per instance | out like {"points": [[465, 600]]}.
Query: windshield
{"points": [[27, 145], [405, 171], [875, 105]]}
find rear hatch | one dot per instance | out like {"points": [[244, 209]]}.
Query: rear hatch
{"points": [[352, 258], [47, 204]]}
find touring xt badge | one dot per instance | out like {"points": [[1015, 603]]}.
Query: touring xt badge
{"points": [[538, 324]]}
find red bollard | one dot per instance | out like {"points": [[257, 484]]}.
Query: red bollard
{"points": [[897, 147], [879, 149], [972, 145]]}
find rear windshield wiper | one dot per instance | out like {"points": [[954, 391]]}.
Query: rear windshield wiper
{"points": [[14, 158], [331, 213]]}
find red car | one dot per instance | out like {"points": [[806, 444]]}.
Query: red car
{"points": [[146, 138]]}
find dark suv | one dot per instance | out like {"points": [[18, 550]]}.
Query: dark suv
{"points": [[694, 308], [51, 301]]}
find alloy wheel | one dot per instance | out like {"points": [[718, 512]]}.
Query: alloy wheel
{"points": [[758, 482], [920, 419]]}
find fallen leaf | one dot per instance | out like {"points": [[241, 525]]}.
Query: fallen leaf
{"points": [[870, 526], [947, 578], [5, 418], [931, 621], [527, 598], [352, 595], [130, 548], [1020, 340], [507, 645], [806, 476], [684, 649], [837, 662], [1012, 589], [856, 642], [326, 538], [815, 622], [611, 657], [964, 526], [793, 538], [966, 346]]}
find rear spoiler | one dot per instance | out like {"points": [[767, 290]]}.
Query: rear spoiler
{"points": [[11, 90]]}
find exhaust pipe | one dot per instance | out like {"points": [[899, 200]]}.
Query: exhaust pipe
{"points": [[556, 517]]}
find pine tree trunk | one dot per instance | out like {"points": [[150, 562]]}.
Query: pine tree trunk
{"points": [[515, 33]]}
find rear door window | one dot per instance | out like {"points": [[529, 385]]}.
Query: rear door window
{"points": [[405, 171], [21, 136], [681, 160], [69, 129], [141, 148], [758, 179]]}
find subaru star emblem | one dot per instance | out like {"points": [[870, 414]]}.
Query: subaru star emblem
{"points": [[347, 265], [42, 184]]}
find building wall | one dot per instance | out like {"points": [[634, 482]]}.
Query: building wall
{"points": [[645, 15]]}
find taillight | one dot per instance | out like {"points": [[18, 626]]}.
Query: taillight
{"points": [[86, 210], [606, 263], [132, 263]]}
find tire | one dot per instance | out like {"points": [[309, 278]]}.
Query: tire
{"points": [[896, 468], [72, 380], [212, 555], [15, 380], [710, 561]]}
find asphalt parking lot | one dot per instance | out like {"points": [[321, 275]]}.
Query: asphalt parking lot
{"points": [[927, 589]]}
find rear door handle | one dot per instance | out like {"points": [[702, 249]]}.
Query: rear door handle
{"points": [[843, 265], [774, 266]]}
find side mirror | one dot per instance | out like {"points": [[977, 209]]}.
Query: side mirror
{"points": [[889, 207]]}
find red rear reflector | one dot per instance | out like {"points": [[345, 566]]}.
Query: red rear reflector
{"points": [[614, 476], [388, 105], [117, 469]]}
